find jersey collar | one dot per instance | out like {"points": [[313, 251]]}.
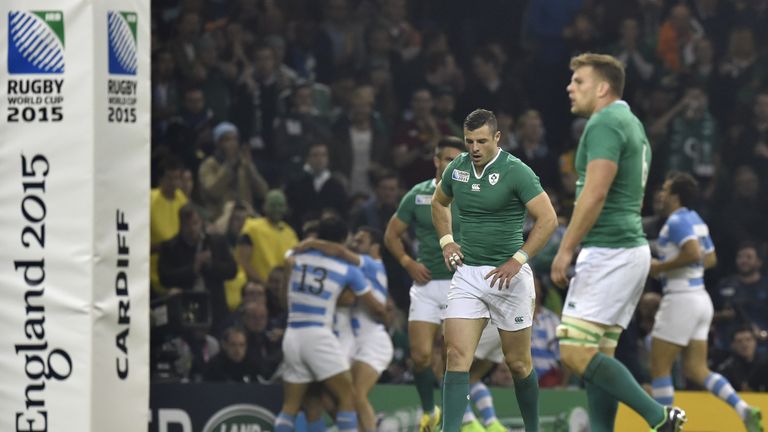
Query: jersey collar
{"points": [[498, 152]]}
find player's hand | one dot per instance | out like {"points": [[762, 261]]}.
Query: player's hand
{"points": [[655, 268], [559, 270], [504, 273], [452, 256], [418, 271]]}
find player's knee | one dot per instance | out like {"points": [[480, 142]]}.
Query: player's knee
{"points": [[519, 367], [697, 373], [421, 357], [458, 358]]}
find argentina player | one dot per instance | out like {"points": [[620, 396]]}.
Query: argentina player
{"points": [[311, 351], [685, 314]]}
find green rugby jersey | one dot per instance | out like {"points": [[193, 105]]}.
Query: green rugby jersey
{"points": [[615, 134], [491, 205], [416, 210]]}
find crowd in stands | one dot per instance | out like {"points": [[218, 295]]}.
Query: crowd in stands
{"points": [[269, 114]]}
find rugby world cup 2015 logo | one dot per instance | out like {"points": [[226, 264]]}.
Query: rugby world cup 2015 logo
{"points": [[121, 27], [35, 42]]}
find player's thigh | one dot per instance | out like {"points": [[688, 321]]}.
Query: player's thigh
{"points": [[461, 337], [512, 308], [695, 361], [429, 301], [489, 346], [607, 284], [479, 369], [421, 338], [364, 377], [516, 344], [663, 355], [293, 396], [465, 295]]}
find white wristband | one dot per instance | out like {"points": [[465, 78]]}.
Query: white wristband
{"points": [[520, 256], [444, 240]]}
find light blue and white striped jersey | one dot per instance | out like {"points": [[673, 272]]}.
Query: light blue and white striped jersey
{"points": [[315, 284], [545, 351], [374, 272], [681, 226]]}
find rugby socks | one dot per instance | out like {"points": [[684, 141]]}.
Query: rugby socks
{"points": [[611, 376], [483, 401], [602, 408], [455, 399], [720, 387], [663, 390], [527, 393], [284, 422], [316, 426], [425, 386], [346, 421], [469, 415]]}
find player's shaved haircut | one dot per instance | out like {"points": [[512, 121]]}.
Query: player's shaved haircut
{"points": [[479, 117], [607, 67]]}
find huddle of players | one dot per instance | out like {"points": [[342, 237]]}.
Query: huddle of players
{"points": [[472, 268]]}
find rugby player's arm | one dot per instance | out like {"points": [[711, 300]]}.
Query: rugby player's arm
{"points": [[710, 260], [690, 253], [441, 211], [244, 254], [373, 305], [393, 239], [541, 210], [599, 177], [333, 249]]}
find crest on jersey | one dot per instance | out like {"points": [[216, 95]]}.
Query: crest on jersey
{"points": [[493, 178], [459, 175]]}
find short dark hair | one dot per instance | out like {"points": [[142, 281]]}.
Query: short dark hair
{"points": [[310, 227], [488, 56], [608, 67], [684, 186], [743, 328], [450, 142], [186, 211], [229, 331], [169, 163], [374, 233], [332, 229], [479, 117], [748, 244]]}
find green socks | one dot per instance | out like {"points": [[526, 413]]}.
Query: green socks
{"points": [[615, 380], [527, 393], [455, 399], [602, 409], [425, 385]]}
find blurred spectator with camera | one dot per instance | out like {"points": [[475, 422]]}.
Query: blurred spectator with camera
{"points": [[196, 261], [744, 367]]}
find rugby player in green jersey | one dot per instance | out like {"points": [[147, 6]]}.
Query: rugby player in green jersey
{"points": [[493, 190], [612, 162]]}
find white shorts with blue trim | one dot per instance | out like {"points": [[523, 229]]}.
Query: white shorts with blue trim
{"points": [[683, 317]]}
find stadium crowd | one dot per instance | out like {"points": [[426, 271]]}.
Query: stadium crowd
{"points": [[268, 115]]}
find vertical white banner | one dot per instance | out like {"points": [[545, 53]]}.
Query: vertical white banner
{"points": [[73, 218]]}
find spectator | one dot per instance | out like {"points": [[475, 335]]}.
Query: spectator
{"points": [[265, 240], [491, 90], [165, 91], [416, 139], [189, 133], [743, 297], [743, 212], [744, 368], [184, 47], [230, 173], [165, 202], [637, 57], [741, 72], [194, 261], [316, 189], [752, 146], [533, 150], [195, 349], [264, 344], [382, 205], [339, 41], [676, 38], [296, 130], [230, 364], [360, 143]]}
